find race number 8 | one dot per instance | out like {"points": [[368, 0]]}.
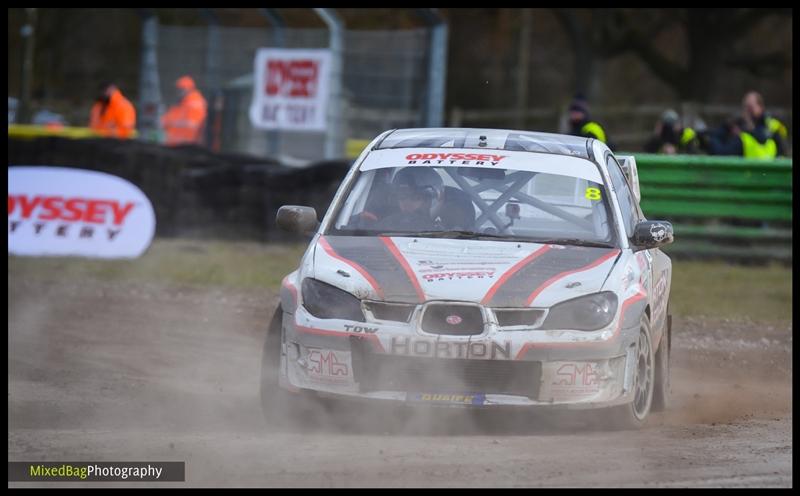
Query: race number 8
{"points": [[592, 194]]}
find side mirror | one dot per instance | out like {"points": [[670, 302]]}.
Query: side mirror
{"points": [[651, 234], [296, 218]]}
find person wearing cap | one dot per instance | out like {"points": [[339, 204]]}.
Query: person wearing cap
{"points": [[184, 123], [112, 114], [670, 137], [581, 123]]}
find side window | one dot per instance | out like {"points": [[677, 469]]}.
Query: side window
{"points": [[624, 194]]}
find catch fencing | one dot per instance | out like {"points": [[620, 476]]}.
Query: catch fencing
{"points": [[385, 82]]}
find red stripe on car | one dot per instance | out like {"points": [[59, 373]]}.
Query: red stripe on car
{"points": [[341, 334], [556, 277], [371, 280], [510, 272], [402, 261]]}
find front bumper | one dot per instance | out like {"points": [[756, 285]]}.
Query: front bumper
{"points": [[520, 369]]}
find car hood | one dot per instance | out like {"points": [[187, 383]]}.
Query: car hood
{"points": [[492, 273]]}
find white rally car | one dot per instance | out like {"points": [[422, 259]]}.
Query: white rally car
{"points": [[480, 268]]}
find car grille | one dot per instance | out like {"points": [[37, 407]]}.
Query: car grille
{"points": [[516, 317], [397, 312], [383, 372], [455, 320]]}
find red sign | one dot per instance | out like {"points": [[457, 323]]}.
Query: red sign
{"points": [[291, 89], [292, 78]]}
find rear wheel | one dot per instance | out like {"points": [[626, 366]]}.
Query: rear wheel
{"points": [[633, 415], [663, 390]]}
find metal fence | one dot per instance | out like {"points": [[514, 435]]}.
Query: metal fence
{"points": [[384, 82]]}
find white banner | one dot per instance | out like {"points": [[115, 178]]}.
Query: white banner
{"points": [[549, 163], [291, 89], [55, 211]]}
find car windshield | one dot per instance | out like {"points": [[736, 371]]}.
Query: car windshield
{"points": [[476, 203]]}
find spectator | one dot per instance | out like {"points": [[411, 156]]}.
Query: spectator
{"points": [[112, 114], [184, 123], [745, 138], [753, 111], [581, 123], [670, 137]]}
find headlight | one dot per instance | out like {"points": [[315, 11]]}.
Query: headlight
{"points": [[328, 302], [586, 313]]}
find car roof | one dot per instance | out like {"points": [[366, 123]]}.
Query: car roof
{"points": [[487, 139]]}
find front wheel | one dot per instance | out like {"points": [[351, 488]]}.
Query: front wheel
{"points": [[281, 408], [633, 415]]}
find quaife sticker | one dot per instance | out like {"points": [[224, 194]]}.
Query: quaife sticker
{"points": [[56, 211], [450, 398]]}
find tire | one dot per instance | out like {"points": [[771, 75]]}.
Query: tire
{"points": [[282, 409], [663, 385], [633, 415]]}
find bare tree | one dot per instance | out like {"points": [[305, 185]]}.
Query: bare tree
{"points": [[710, 38], [594, 36]]}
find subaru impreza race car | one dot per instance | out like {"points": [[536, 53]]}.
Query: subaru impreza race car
{"points": [[477, 268]]}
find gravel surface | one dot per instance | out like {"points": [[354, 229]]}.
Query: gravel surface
{"points": [[106, 371]]}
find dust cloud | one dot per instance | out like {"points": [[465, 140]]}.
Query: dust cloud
{"points": [[107, 371]]}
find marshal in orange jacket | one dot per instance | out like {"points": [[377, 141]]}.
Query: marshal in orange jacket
{"points": [[116, 119], [183, 123]]}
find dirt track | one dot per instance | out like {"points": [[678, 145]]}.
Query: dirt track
{"points": [[108, 371]]}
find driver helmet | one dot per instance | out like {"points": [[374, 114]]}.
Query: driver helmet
{"points": [[422, 183]]}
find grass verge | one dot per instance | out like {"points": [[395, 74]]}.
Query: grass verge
{"points": [[712, 289], [244, 265]]}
